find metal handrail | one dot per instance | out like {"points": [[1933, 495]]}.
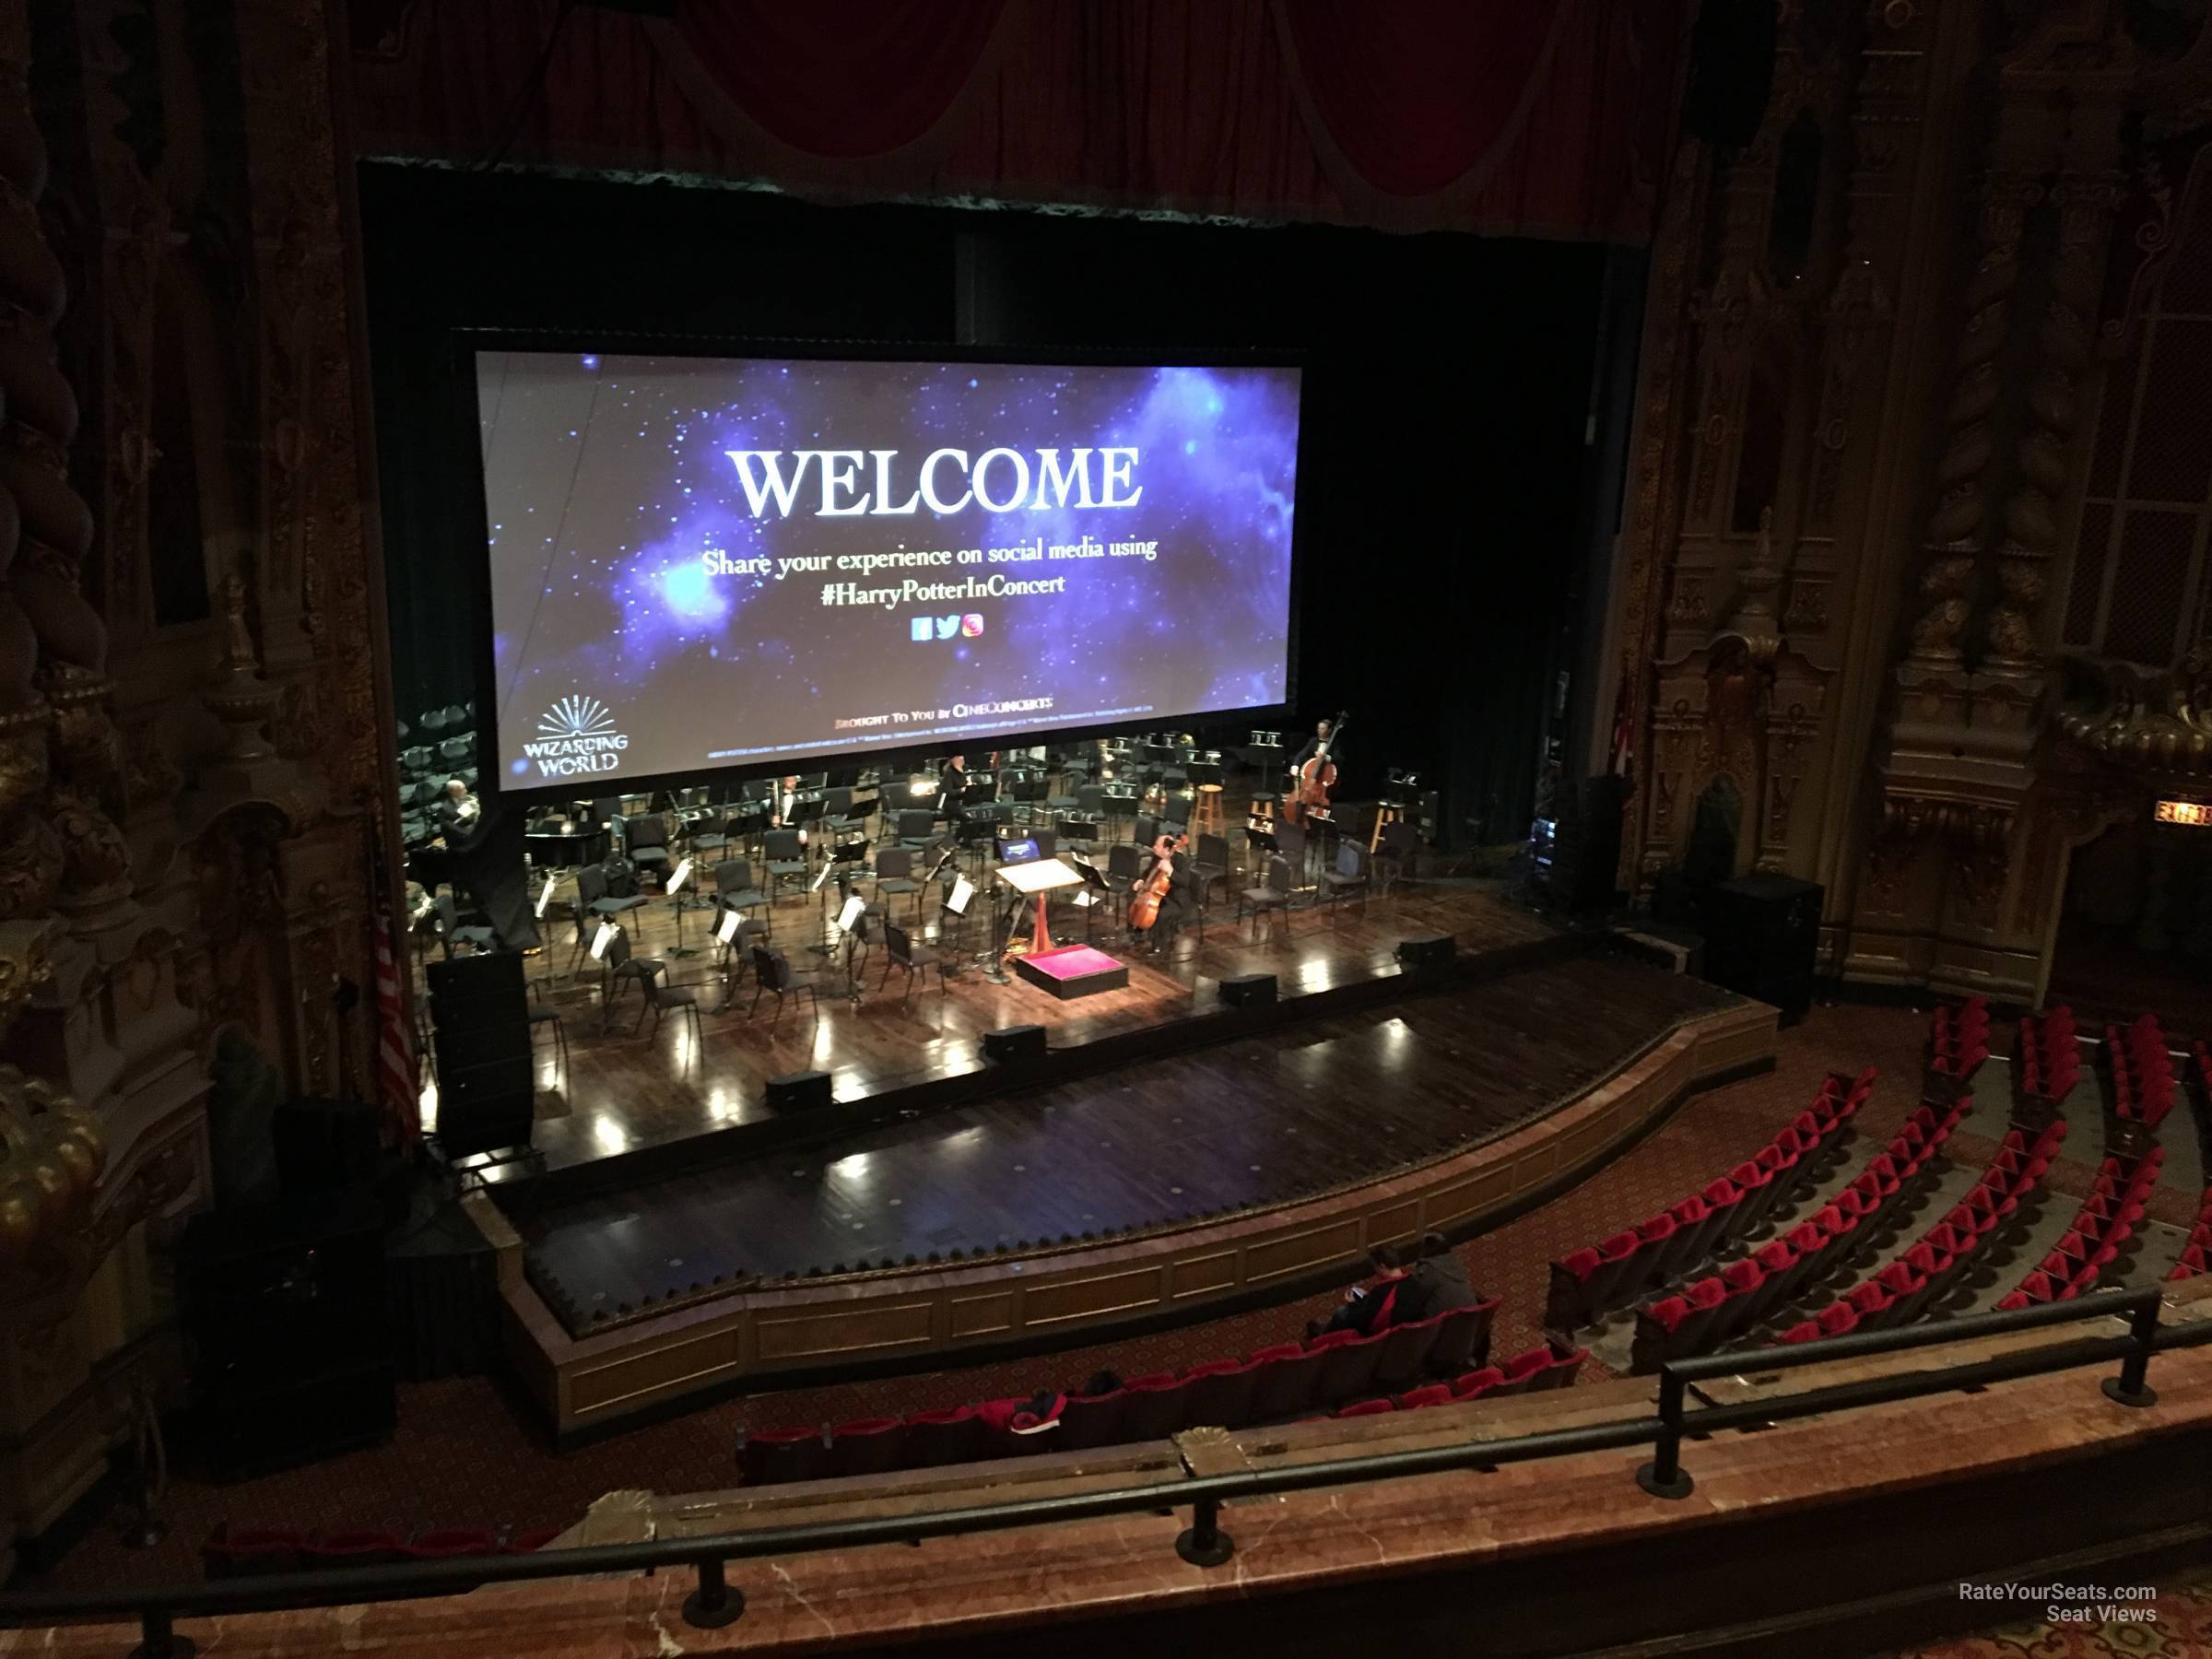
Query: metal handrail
{"points": [[714, 1602]]}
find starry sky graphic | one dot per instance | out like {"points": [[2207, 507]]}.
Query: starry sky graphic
{"points": [[607, 478]]}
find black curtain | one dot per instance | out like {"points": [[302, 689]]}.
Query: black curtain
{"points": [[1442, 464]]}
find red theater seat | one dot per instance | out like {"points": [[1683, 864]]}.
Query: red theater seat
{"points": [[772, 1455], [950, 1435], [357, 1548], [1521, 1371], [1222, 1392], [1347, 1370], [1288, 1383], [1560, 1369], [1404, 1354], [1434, 1394], [1153, 1406], [1091, 1420], [867, 1446], [235, 1551], [1367, 1408], [1464, 1338], [1477, 1382]]}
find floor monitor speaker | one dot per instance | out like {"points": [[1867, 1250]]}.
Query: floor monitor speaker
{"points": [[799, 1092], [1015, 1043], [1249, 990], [1438, 952]]}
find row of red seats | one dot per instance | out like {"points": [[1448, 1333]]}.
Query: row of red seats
{"points": [[1271, 1385], [1958, 1039], [1708, 1313], [1552, 1365], [2101, 1231], [1924, 1272], [2196, 1253], [1592, 1281], [2140, 1070], [2047, 1059], [238, 1551]]}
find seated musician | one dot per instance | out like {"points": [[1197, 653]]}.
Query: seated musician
{"points": [[1181, 903], [786, 802], [456, 809], [1322, 734]]}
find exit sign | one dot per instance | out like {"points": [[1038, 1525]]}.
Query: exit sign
{"points": [[2184, 812]]}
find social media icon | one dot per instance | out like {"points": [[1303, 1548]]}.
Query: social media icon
{"points": [[971, 625], [948, 626], [918, 630]]}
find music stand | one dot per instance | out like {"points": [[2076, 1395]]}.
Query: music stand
{"points": [[725, 935], [600, 941], [675, 889], [1097, 894], [538, 913], [847, 922]]}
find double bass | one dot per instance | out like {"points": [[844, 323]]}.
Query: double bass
{"points": [[1152, 891], [1317, 776]]}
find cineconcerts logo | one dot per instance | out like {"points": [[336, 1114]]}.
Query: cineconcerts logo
{"points": [[925, 630], [575, 736]]}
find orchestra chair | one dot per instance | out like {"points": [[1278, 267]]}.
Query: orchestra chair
{"points": [[1271, 897], [901, 951], [707, 831], [895, 877], [645, 840], [916, 827], [546, 1013], [1125, 862], [1210, 865], [1393, 854], [1347, 874], [1090, 802], [662, 996], [445, 924], [773, 972], [786, 860], [733, 891], [1075, 833], [622, 967]]}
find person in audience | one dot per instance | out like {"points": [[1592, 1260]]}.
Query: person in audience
{"points": [[1370, 1307], [1436, 1283], [1101, 1383]]}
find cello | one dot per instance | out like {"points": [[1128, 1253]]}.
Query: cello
{"points": [[1316, 776], [1152, 890]]}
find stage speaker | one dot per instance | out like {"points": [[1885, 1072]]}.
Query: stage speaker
{"points": [[799, 1092], [1015, 1043], [1586, 858], [285, 1305], [485, 973], [1762, 934], [1249, 990], [1731, 71], [1419, 954], [466, 1047]]}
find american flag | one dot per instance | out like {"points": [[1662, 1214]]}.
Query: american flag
{"points": [[396, 1079]]}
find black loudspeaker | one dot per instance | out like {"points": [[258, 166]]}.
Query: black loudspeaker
{"points": [[1438, 952], [1731, 71], [1249, 990], [284, 1304], [1585, 859], [798, 1092], [480, 1020], [1015, 1043], [1762, 934], [485, 973]]}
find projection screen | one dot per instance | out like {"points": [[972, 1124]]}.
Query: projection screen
{"points": [[703, 562]]}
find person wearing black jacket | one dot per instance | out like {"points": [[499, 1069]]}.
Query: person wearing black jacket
{"points": [[1323, 732], [952, 781], [1437, 1283]]}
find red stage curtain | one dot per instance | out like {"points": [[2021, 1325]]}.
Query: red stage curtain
{"points": [[840, 77], [1535, 116], [1416, 93]]}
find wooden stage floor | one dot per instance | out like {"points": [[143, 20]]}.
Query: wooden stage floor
{"points": [[621, 1094], [1263, 1120]]}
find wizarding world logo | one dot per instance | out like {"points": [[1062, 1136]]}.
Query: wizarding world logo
{"points": [[575, 736]]}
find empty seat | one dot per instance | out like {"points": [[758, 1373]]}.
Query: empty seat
{"points": [[1366, 1409], [771, 1456], [867, 1446], [1288, 1383], [1463, 1340], [1153, 1406], [1222, 1392], [1559, 1372], [1434, 1394], [1405, 1350], [1347, 1370], [1477, 1382], [1520, 1372], [951, 1435]]}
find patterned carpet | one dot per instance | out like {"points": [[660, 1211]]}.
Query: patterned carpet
{"points": [[467, 1452], [2178, 1626]]}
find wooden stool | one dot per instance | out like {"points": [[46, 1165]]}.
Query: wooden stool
{"points": [[1384, 815], [1206, 814]]}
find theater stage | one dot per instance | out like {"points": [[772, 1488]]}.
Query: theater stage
{"points": [[629, 1108]]}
